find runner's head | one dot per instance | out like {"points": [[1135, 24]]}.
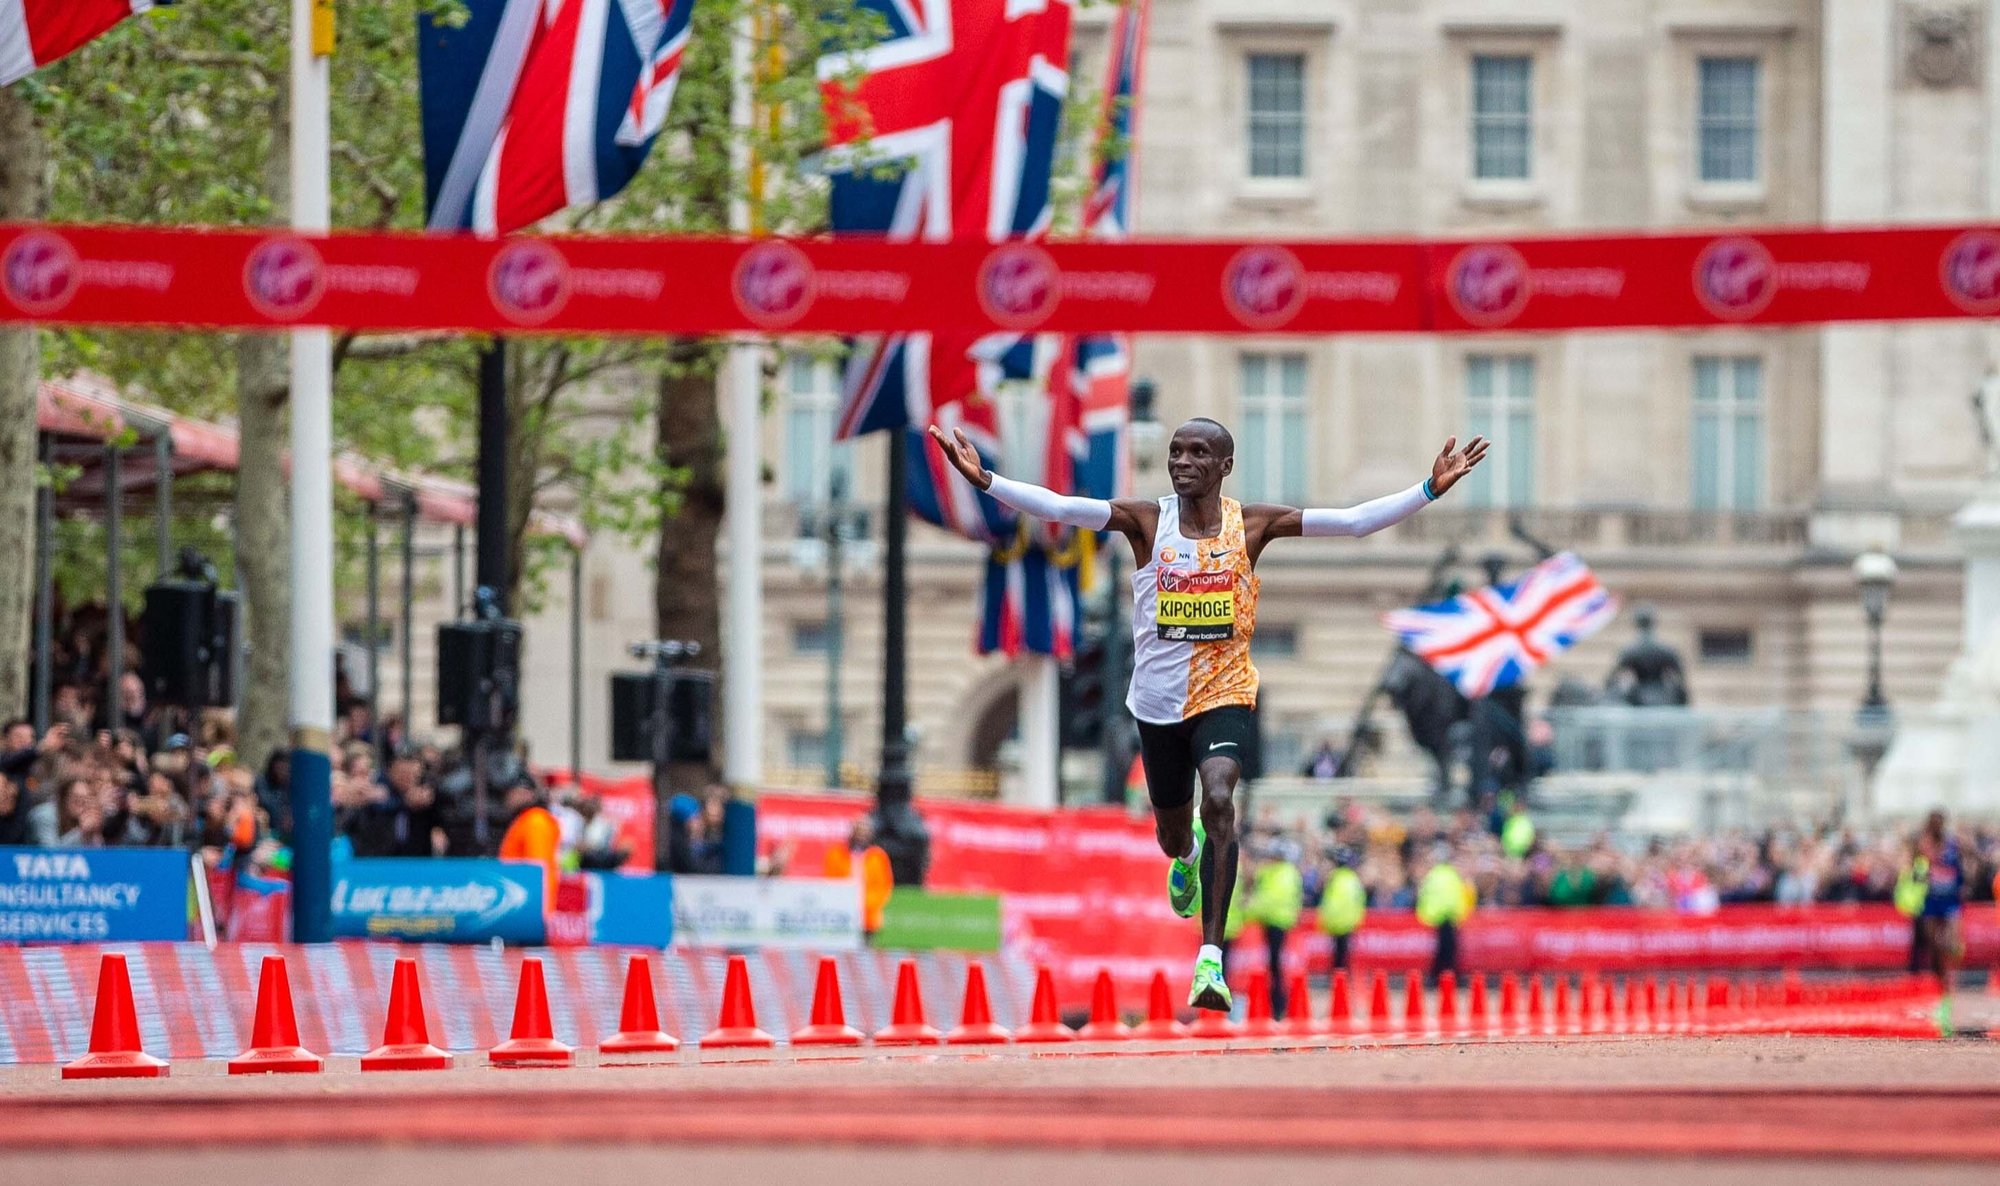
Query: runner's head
{"points": [[1201, 454]]}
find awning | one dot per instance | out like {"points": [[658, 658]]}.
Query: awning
{"points": [[82, 413]]}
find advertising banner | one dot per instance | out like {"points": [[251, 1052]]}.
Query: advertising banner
{"points": [[230, 278], [450, 900], [767, 912], [630, 910], [917, 920], [93, 895]]}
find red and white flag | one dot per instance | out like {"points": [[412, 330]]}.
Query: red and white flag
{"points": [[34, 33]]}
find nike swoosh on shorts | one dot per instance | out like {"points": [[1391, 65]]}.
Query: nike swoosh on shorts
{"points": [[1220, 744]]}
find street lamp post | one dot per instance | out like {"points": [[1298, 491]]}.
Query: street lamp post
{"points": [[831, 537], [1875, 575]]}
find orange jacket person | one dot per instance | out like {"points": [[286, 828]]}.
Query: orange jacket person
{"points": [[878, 881], [534, 835]]}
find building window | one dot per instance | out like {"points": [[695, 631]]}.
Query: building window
{"points": [[1272, 641], [812, 405], [1726, 646], [805, 750], [1500, 406], [1502, 123], [811, 638], [1271, 448], [1727, 119], [1728, 434], [1277, 115]]}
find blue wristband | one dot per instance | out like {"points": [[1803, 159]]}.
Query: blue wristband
{"points": [[1429, 494]]}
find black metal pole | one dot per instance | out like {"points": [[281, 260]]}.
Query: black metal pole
{"points": [[409, 610], [899, 829], [1112, 680], [576, 664], [374, 625], [1875, 702], [163, 502], [458, 602], [492, 567], [45, 599], [114, 535], [661, 723]]}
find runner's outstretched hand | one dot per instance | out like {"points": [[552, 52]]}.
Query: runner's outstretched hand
{"points": [[963, 457], [1452, 462]]}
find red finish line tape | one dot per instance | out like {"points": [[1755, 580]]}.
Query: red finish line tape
{"points": [[225, 278]]}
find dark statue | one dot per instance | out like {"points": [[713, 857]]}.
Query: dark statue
{"points": [[1649, 672]]}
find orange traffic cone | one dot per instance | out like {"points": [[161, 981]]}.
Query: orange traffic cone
{"points": [[1447, 1001], [1561, 1007], [1257, 1021], [1045, 1019], [1378, 1004], [1413, 1002], [736, 1028], [906, 1024], [1476, 1020], [1652, 1014], [1160, 1024], [1633, 1022], [1299, 1020], [1587, 1004], [1510, 1005], [533, 1041], [115, 1050], [1104, 1025], [1340, 1013], [1993, 981], [1607, 1005], [1538, 1007], [829, 1017], [274, 1028], [639, 1029], [975, 1024], [406, 1041]]}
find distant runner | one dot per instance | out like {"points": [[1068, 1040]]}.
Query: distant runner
{"points": [[1194, 609]]}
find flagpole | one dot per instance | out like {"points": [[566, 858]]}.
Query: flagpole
{"points": [[743, 657], [311, 644]]}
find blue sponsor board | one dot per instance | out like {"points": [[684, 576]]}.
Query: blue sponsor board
{"points": [[623, 909], [453, 900], [93, 895]]}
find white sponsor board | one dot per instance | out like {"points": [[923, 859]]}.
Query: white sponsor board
{"points": [[818, 913]]}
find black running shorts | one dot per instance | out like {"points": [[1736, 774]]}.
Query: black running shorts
{"points": [[1172, 754]]}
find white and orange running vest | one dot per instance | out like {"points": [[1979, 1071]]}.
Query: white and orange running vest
{"points": [[1194, 608]]}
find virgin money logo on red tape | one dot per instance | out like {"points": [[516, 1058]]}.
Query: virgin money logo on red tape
{"points": [[284, 278], [529, 282], [1735, 278], [1019, 285], [1264, 286], [774, 284], [1487, 283], [40, 272], [1970, 271]]}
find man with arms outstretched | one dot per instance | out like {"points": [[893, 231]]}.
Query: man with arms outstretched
{"points": [[1194, 608]]}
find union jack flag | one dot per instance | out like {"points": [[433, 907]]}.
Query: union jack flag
{"points": [[945, 127], [536, 106], [34, 33], [1495, 637]]}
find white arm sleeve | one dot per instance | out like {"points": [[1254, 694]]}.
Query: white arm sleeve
{"points": [[1042, 503], [1369, 517]]}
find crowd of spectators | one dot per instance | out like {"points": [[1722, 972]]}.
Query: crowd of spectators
{"points": [[1793, 865]]}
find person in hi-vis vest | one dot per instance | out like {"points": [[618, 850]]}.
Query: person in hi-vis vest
{"points": [[1444, 902], [1344, 906], [1277, 895]]}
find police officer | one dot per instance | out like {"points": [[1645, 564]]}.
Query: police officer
{"points": [[1277, 895], [1344, 905], [1444, 902]]}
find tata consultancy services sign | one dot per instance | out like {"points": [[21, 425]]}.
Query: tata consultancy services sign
{"points": [[821, 914], [93, 895], [449, 900]]}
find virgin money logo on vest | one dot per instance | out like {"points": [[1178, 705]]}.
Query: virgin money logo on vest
{"points": [[284, 278], [40, 272], [1264, 286], [1019, 285], [1487, 284], [774, 284], [1971, 272], [1735, 278], [529, 282]]}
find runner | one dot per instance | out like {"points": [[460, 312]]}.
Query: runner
{"points": [[1194, 609], [1944, 895]]}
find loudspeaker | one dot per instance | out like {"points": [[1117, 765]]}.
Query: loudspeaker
{"points": [[479, 673], [690, 716], [190, 638]]}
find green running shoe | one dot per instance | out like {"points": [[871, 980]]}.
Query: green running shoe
{"points": [[1209, 991], [1184, 878]]}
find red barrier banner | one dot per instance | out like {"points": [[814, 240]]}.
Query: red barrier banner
{"points": [[225, 278]]}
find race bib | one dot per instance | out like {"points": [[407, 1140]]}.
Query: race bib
{"points": [[1197, 606]]}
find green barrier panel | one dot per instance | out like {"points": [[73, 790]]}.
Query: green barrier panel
{"points": [[916, 920]]}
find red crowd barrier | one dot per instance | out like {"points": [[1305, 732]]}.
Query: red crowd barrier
{"points": [[228, 278]]}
